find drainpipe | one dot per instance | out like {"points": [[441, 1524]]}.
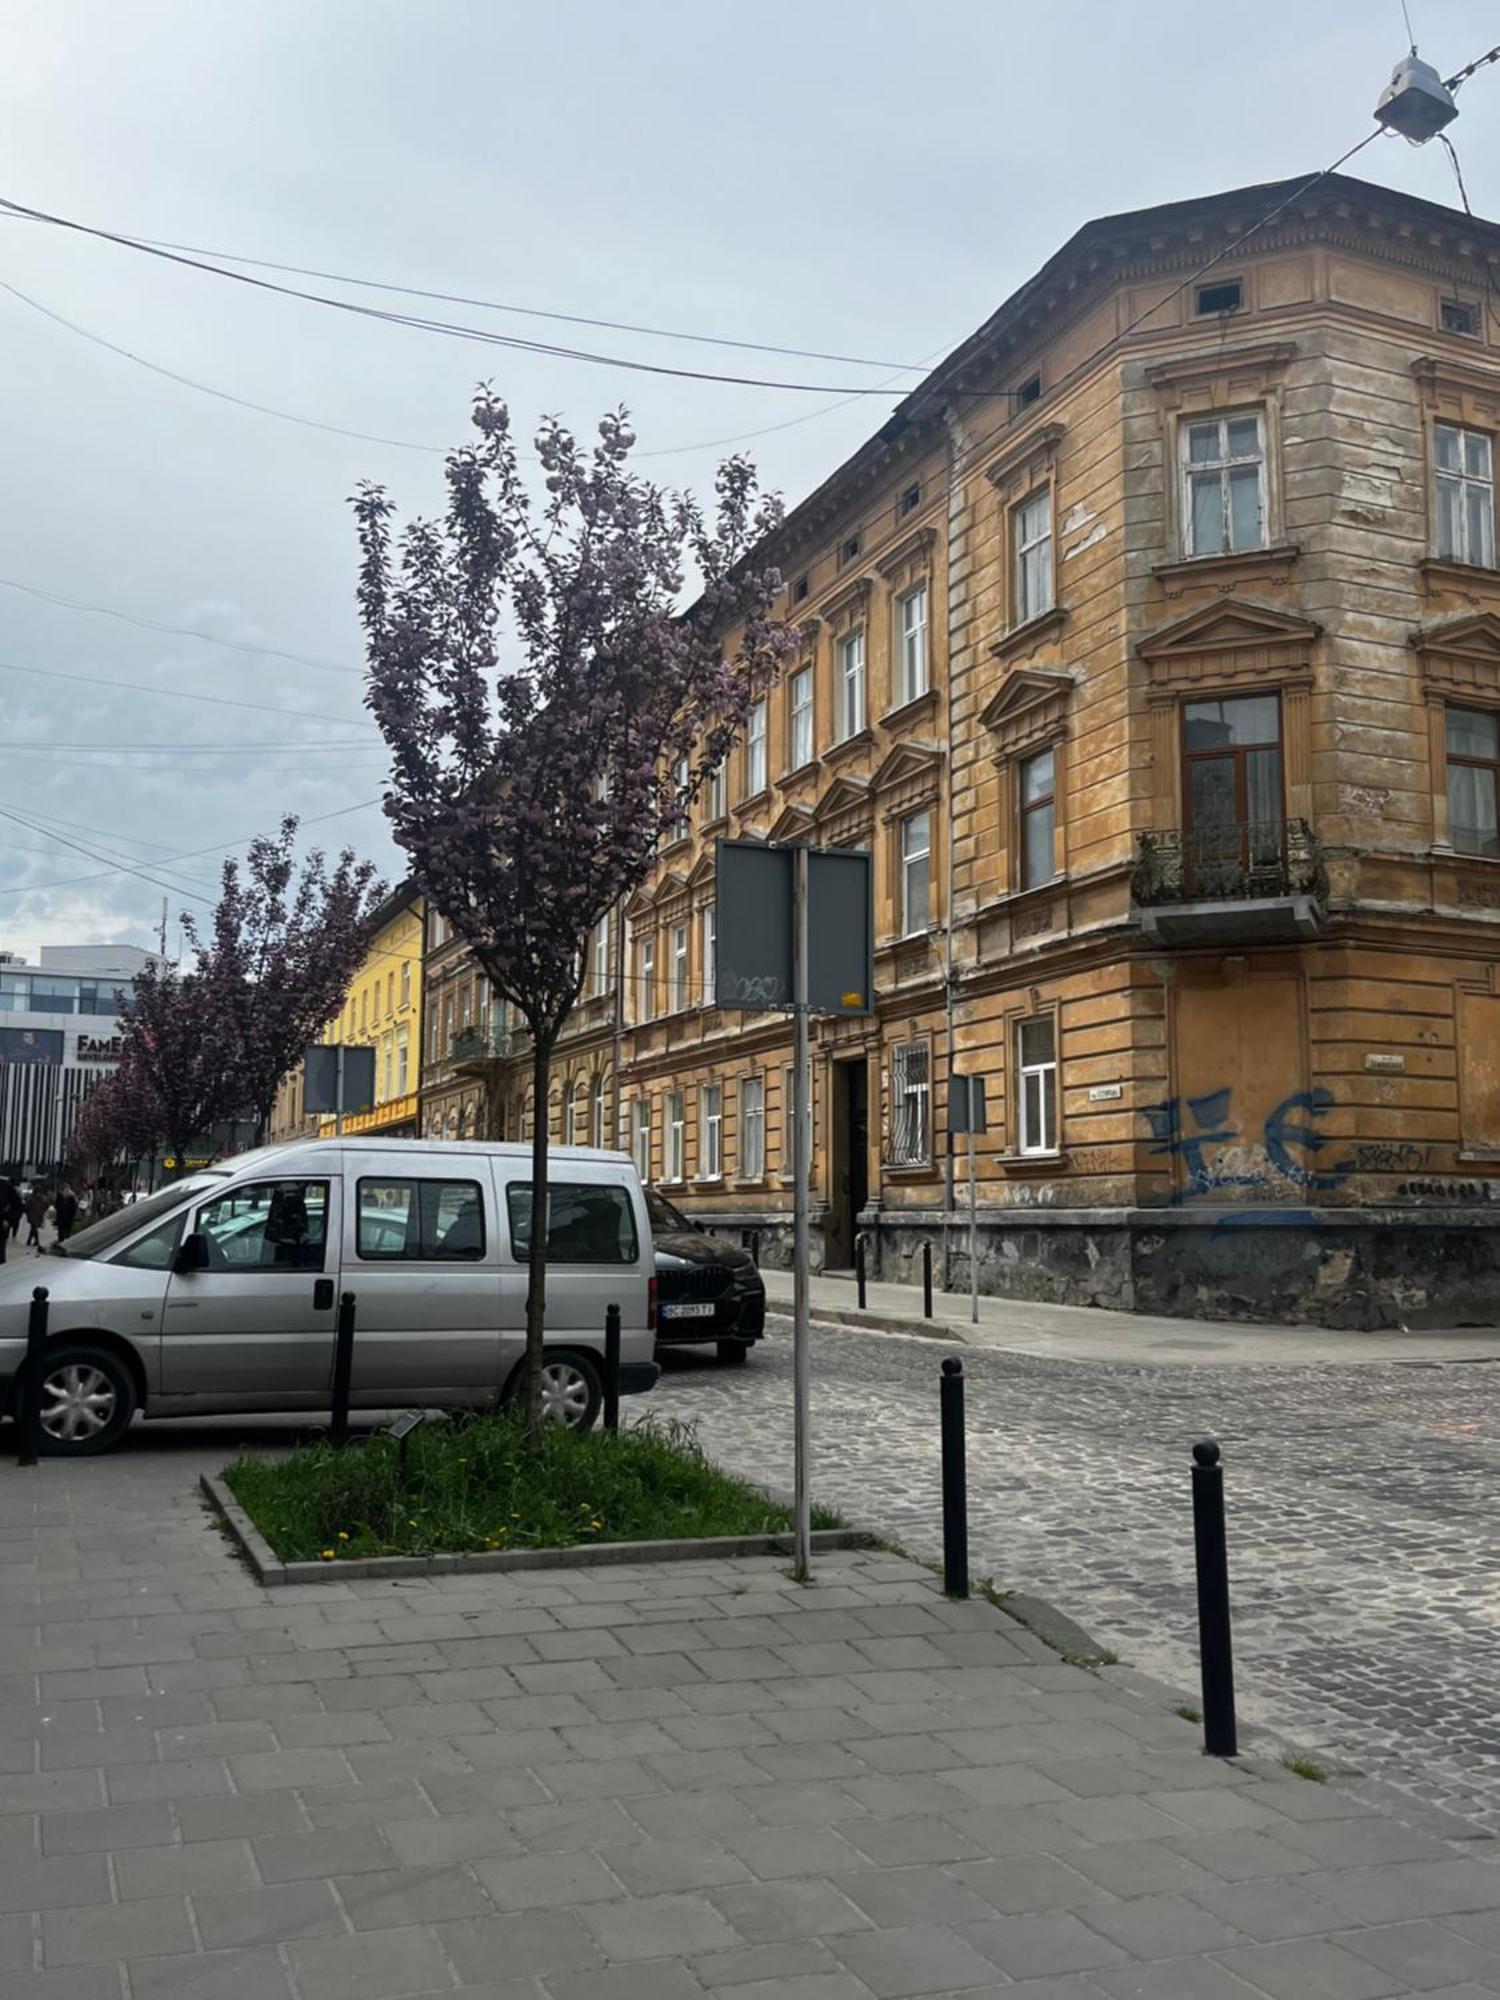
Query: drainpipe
{"points": [[948, 995], [617, 940]]}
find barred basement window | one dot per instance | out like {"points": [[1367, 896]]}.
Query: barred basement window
{"points": [[911, 1091]]}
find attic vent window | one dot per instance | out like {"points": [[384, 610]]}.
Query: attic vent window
{"points": [[911, 499], [799, 590], [848, 551], [1030, 391], [1459, 317], [1225, 298]]}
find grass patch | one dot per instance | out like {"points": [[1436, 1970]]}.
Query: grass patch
{"points": [[1188, 1714], [472, 1486], [1306, 1767]]}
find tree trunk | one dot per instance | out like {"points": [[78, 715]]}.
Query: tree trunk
{"points": [[536, 1295]]}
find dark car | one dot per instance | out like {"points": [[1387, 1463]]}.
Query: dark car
{"points": [[707, 1291]]}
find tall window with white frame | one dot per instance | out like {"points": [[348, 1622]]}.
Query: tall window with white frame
{"points": [[640, 1137], [916, 872], [1032, 531], [599, 1108], [602, 968], [1037, 790], [1473, 780], [676, 1139], [711, 1132], [646, 977], [709, 919], [682, 777], [1463, 469], [800, 715], [679, 967], [752, 1128], [714, 801], [911, 609], [911, 1098], [1036, 1077], [755, 750], [851, 684], [1224, 484]]}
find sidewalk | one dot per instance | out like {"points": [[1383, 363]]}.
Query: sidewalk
{"points": [[1090, 1333], [653, 1783]]}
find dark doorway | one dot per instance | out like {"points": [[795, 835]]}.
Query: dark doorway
{"points": [[850, 1164]]}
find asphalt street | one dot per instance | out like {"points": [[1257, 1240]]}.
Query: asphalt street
{"points": [[1362, 1519]]}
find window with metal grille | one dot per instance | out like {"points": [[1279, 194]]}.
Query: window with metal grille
{"points": [[911, 1094]]}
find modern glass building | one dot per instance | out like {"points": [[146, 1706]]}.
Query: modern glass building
{"points": [[59, 1035]]}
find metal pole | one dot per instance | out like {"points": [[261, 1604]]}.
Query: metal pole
{"points": [[955, 1480], [859, 1270], [611, 1368], [973, 1214], [29, 1402], [338, 1092], [343, 1369], [927, 1281], [801, 1160], [1216, 1655]]}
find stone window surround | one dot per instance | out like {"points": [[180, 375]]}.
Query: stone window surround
{"points": [[1030, 713], [1459, 661], [1025, 467], [1215, 384], [1457, 391]]}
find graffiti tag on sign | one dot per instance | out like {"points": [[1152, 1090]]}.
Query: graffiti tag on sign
{"points": [[1287, 1146]]}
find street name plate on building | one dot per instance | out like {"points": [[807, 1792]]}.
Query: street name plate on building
{"points": [[1379, 1061], [320, 1084], [753, 915], [1106, 1093]]}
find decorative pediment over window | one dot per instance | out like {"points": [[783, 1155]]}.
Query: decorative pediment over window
{"points": [[641, 906], [1466, 392], [844, 809], [1026, 460], [909, 561], [792, 823], [1461, 657], [848, 607], [701, 874], [1227, 642], [1221, 374], [672, 887], [1028, 709], [908, 761]]}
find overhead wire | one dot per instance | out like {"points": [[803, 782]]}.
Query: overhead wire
{"points": [[184, 694], [181, 631]]}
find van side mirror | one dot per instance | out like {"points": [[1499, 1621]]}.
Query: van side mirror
{"points": [[192, 1253]]}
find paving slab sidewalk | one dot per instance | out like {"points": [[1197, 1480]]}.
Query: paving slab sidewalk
{"points": [[666, 1781], [1098, 1333]]}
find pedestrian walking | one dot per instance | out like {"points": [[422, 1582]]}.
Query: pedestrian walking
{"points": [[36, 1215], [10, 1213], [67, 1211]]}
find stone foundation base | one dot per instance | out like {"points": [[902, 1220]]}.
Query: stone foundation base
{"points": [[1361, 1269]]}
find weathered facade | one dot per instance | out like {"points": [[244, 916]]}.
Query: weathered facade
{"points": [[1153, 649]]}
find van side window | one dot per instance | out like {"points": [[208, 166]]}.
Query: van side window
{"points": [[155, 1251], [269, 1226], [587, 1224], [420, 1221]]}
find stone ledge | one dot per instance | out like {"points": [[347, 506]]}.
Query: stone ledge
{"points": [[268, 1568]]}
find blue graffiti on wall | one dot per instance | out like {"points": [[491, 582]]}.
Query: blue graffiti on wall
{"points": [[1184, 1128]]}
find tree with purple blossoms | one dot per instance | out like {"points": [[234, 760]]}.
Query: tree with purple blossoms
{"points": [[280, 956], [179, 1054], [553, 708], [120, 1121]]}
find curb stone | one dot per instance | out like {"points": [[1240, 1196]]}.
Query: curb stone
{"points": [[268, 1567]]}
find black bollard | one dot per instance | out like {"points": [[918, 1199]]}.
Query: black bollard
{"points": [[859, 1270], [927, 1281], [1216, 1656], [33, 1368], [955, 1480], [755, 1248], [343, 1369], [611, 1368]]}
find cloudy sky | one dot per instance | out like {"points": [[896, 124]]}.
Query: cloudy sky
{"points": [[866, 179]]}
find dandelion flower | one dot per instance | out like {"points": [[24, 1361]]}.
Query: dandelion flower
{"points": [[343, 1535], [328, 1555]]}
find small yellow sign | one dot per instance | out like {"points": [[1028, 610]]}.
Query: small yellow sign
{"points": [[854, 999]]}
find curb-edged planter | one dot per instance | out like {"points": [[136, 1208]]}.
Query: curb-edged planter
{"points": [[268, 1567]]}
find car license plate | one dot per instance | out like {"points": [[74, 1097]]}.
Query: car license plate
{"points": [[696, 1309]]}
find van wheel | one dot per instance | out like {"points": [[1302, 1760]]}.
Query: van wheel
{"points": [[88, 1399], [572, 1391]]}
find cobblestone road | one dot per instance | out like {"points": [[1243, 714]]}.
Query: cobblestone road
{"points": [[1362, 1507]]}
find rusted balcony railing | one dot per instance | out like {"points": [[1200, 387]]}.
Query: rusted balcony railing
{"points": [[479, 1045], [1229, 863]]}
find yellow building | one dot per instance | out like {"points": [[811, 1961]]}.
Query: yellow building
{"points": [[384, 1012]]}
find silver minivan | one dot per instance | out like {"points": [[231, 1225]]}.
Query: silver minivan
{"points": [[220, 1293]]}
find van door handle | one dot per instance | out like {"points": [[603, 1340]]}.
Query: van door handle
{"points": [[323, 1295]]}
